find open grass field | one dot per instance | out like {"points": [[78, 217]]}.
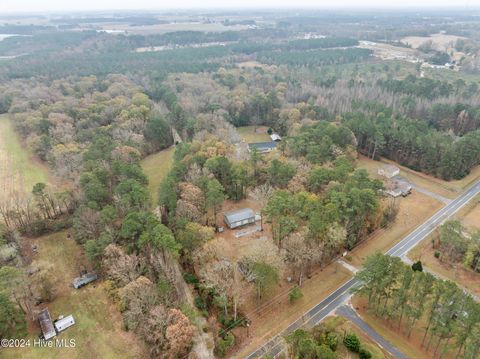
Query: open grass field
{"points": [[19, 171], [156, 167], [440, 42], [410, 347], [98, 330], [249, 135]]}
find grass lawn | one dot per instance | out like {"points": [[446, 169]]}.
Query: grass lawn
{"points": [[19, 170], [248, 134], [98, 329], [413, 210], [156, 167]]}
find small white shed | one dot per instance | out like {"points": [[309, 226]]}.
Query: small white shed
{"points": [[64, 323]]}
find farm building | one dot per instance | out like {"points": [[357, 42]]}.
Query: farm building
{"points": [[84, 280], [389, 171], [275, 137], [263, 147], [239, 218], [48, 331], [64, 323]]}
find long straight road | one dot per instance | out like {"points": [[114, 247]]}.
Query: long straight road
{"points": [[343, 293]]}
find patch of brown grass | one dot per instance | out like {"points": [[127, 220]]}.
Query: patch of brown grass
{"points": [[466, 278]]}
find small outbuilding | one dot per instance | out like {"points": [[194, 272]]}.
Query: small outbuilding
{"points": [[262, 147], [84, 280], [389, 171], [239, 218], [275, 137], [46, 324], [398, 187], [64, 323]]}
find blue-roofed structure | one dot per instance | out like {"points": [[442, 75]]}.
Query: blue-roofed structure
{"points": [[239, 218]]}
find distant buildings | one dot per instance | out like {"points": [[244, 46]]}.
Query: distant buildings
{"points": [[239, 218]]}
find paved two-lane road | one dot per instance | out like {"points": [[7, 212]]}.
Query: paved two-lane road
{"points": [[343, 293]]}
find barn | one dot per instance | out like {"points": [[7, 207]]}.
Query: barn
{"points": [[239, 218]]}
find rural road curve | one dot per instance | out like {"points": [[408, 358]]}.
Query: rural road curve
{"points": [[315, 315], [349, 313]]}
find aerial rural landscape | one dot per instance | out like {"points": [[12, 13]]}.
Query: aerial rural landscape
{"points": [[254, 181]]}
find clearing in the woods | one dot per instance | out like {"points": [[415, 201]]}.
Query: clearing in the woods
{"points": [[98, 331], [19, 170], [156, 167]]}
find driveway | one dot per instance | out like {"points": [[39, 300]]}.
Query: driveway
{"points": [[349, 313]]}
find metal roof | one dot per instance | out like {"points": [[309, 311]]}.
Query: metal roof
{"points": [[239, 215], [46, 324], [260, 145], [275, 137], [65, 322]]}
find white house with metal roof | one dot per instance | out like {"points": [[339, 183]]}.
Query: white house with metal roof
{"points": [[239, 218]]}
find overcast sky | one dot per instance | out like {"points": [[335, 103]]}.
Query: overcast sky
{"points": [[69, 5]]}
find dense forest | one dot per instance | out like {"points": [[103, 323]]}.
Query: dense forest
{"points": [[91, 105]]}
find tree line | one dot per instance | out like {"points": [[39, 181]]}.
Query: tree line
{"points": [[415, 144], [447, 318]]}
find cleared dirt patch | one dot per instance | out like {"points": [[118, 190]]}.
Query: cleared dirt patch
{"points": [[98, 330]]}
